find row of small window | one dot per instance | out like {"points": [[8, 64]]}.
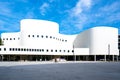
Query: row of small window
{"points": [[3, 49], [39, 50], [11, 38], [51, 37]]}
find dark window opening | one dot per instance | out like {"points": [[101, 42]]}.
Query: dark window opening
{"points": [[37, 49], [72, 50], [21, 49], [33, 36], [42, 50], [68, 51], [15, 49], [37, 35], [29, 49], [18, 49], [47, 50], [4, 49], [51, 50], [55, 50], [24, 49], [28, 35], [42, 36], [32, 49], [59, 50], [10, 49], [50, 36], [46, 36]]}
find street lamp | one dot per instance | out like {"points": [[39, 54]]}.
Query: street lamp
{"points": [[108, 52]]}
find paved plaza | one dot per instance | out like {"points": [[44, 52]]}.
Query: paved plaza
{"points": [[60, 71]]}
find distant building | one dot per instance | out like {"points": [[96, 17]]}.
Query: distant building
{"points": [[40, 40]]}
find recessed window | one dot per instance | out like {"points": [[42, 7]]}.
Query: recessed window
{"points": [[33, 36], [15, 49], [13, 38], [4, 49], [18, 49], [72, 50], [37, 35], [37, 49], [62, 40], [51, 50], [0, 49], [3, 38], [6, 38], [21, 49], [55, 50], [59, 50], [18, 38], [32, 49], [65, 40], [24, 49], [53, 37], [10, 49], [68, 51], [47, 50], [28, 35], [42, 50], [50, 36], [63, 50], [41, 36], [29, 49], [10, 38], [46, 36]]}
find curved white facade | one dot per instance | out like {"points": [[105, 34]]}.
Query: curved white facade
{"points": [[40, 37], [99, 41]]}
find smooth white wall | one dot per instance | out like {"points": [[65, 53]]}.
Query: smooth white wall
{"points": [[97, 40], [38, 27], [100, 38]]}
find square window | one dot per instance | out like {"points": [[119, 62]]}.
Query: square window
{"points": [[37, 35], [28, 35]]}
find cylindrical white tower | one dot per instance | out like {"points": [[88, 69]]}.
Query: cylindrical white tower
{"points": [[102, 40], [38, 32]]}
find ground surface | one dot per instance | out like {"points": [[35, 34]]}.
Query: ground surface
{"points": [[60, 71]]}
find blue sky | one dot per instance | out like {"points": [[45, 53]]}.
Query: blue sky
{"points": [[73, 16]]}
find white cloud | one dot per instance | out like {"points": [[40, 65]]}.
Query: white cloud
{"points": [[75, 15], [109, 13], [5, 9], [30, 15], [44, 8], [80, 6]]}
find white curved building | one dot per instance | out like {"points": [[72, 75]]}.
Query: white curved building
{"points": [[41, 40]]}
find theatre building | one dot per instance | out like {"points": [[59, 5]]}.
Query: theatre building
{"points": [[40, 40]]}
